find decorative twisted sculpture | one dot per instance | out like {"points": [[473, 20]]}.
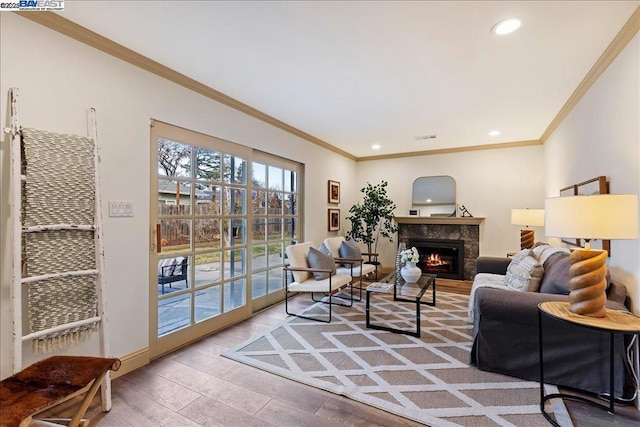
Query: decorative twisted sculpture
{"points": [[587, 282], [526, 238]]}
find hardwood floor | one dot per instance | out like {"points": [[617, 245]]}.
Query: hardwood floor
{"points": [[196, 386]]}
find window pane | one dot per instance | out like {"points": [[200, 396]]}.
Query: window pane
{"points": [[234, 263], [174, 197], [207, 233], [258, 257], [259, 173], [234, 203], [258, 284], [207, 303], [290, 204], [290, 229], [276, 254], [174, 158], [173, 274], [174, 313], [276, 281], [259, 229], [275, 178], [207, 268], [234, 232], [290, 181], [208, 165], [208, 199], [175, 235], [235, 169], [274, 228], [275, 203], [234, 294], [259, 202]]}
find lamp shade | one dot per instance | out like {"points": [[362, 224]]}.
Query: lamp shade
{"points": [[601, 216], [532, 217]]}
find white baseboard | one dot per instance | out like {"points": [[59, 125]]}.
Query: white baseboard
{"points": [[131, 362]]}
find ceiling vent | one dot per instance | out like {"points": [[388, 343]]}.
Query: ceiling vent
{"points": [[424, 137]]}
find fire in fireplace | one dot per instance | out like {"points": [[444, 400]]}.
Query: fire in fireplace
{"points": [[444, 258]]}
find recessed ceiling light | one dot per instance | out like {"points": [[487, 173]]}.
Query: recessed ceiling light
{"points": [[506, 26], [375, 147], [428, 200], [494, 133]]}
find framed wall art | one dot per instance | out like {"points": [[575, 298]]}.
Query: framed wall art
{"points": [[334, 192], [334, 220]]}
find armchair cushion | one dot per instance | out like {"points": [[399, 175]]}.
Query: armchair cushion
{"points": [[317, 259], [333, 244], [297, 255]]}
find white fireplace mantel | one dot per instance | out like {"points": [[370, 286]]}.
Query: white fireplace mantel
{"points": [[447, 220]]}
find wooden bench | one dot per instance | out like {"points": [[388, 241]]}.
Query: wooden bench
{"points": [[50, 382]]}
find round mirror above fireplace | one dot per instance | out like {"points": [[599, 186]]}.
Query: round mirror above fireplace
{"points": [[436, 195]]}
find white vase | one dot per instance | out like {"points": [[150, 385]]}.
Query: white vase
{"points": [[410, 273]]}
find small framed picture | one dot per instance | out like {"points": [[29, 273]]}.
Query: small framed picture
{"points": [[334, 220], [334, 192]]}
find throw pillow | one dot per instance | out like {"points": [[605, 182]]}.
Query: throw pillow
{"points": [[520, 255], [325, 250], [166, 266], [350, 249], [556, 274], [317, 259], [524, 275]]}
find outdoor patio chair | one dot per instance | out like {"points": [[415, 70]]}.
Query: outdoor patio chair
{"points": [[315, 274], [172, 270], [350, 261]]}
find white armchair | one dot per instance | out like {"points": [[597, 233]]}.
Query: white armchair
{"points": [[322, 279], [355, 267]]}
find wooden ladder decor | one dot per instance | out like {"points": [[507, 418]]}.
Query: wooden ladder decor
{"points": [[58, 257]]}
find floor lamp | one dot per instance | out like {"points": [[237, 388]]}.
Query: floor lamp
{"points": [[602, 216], [527, 217]]}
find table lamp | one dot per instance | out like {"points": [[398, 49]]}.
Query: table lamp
{"points": [[527, 217], [602, 216]]}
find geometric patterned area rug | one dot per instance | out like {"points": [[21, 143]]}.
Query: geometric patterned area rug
{"points": [[426, 379]]}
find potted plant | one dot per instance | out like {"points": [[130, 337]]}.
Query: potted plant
{"points": [[372, 218]]}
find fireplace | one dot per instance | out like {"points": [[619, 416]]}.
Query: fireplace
{"points": [[442, 257]]}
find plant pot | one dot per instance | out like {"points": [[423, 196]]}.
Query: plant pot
{"points": [[410, 273]]}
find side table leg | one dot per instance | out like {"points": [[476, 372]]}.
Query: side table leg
{"points": [[611, 389], [541, 359]]}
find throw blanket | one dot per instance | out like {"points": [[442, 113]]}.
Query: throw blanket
{"points": [[59, 189]]}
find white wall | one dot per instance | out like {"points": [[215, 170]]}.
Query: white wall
{"points": [[601, 136], [489, 184], [59, 78]]}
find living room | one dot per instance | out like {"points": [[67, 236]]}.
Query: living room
{"points": [[598, 136]]}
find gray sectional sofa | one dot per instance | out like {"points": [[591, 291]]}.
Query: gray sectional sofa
{"points": [[506, 330]]}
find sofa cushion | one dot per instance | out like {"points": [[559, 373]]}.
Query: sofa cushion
{"points": [[320, 260], [556, 274], [524, 273]]}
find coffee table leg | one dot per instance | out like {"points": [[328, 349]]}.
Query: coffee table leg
{"points": [[366, 309], [418, 318]]}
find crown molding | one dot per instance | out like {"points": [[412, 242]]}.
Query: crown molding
{"points": [[77, 32], [452, 150], [611, 52]]}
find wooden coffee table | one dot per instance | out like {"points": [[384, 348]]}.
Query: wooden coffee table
{"points": [[405, 292]]}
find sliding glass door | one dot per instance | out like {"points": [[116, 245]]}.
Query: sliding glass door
{"points": [[222, 215]]}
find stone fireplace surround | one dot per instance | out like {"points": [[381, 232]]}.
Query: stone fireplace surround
{"points": [[450, 228]]}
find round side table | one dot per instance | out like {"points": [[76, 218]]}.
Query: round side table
{"points": [[615, 322]]}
